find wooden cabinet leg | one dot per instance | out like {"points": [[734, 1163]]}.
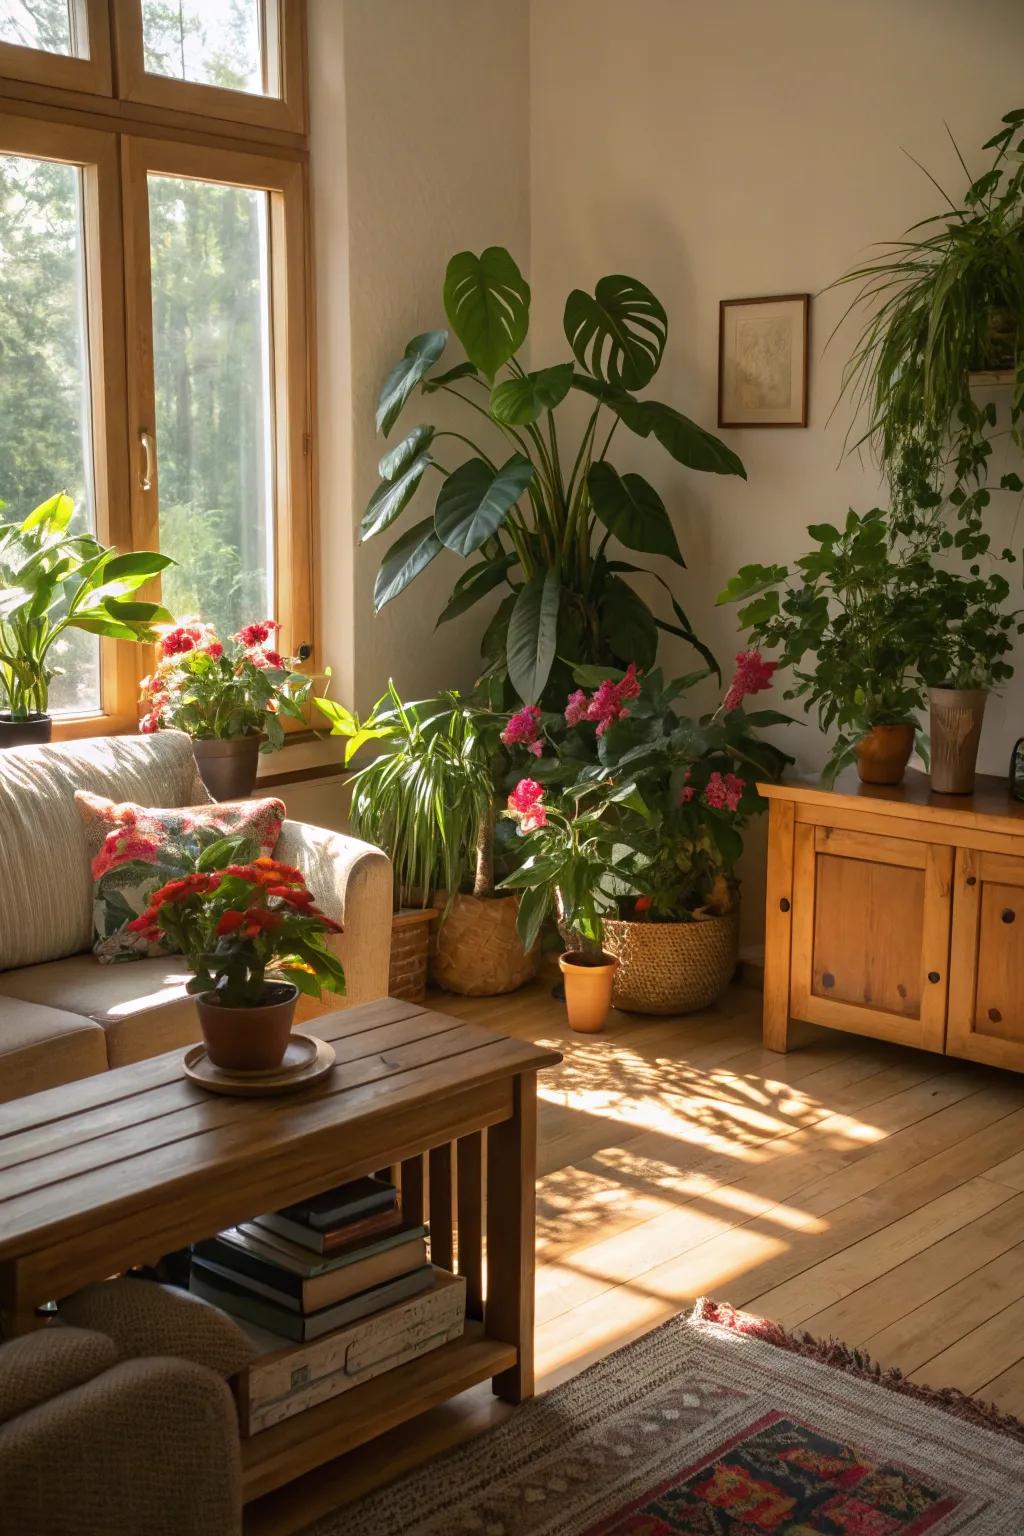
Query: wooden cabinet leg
{"points": [[511, 1220], [778, 926]]}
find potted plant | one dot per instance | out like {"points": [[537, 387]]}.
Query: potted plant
{"points": [[428, 800], [53, 580], [253, 940], [635, 831], [530, 514], [228, 696]]}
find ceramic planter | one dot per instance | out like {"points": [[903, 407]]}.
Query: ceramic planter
{"points": [[477, 951], [248, 1039], [228, 768], [883, 754], [672, 967], [956, 720], [588, 991], [33, 732]]}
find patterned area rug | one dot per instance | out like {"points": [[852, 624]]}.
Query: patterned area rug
{"points": [[717, 1424]]}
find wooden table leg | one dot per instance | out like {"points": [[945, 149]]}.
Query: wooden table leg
{"points": [[511, 1223]]}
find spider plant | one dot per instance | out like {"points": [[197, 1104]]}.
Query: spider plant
{"points": [[942, 302], [427, 799]]}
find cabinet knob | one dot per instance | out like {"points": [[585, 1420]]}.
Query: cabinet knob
{"points": [[972, 879], [933, 976], [784, 904], [1008, 915]]}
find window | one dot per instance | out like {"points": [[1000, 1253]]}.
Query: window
{"points": [[63, 43], [153, 332]]}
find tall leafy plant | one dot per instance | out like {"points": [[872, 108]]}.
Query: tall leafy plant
{"points": [[527, 514]]}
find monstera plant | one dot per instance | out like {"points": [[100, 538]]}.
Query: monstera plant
{"points": [[525, 514]]}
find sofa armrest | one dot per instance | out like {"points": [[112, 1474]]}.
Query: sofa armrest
{"points": [[44, 1364], [351, 882]]}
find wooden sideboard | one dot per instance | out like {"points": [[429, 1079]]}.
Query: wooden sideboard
{"points": [[897, 913]]}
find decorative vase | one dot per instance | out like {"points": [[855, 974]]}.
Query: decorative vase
{"points": [[672, 967], [477, 950], [34, 732], [588, 991], [883, 754], [248, 1039], [410, 953], [228, 768], [956, 720]]}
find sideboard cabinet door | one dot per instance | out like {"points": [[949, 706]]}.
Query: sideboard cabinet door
{"points": [[986, 999], [871, 927]]}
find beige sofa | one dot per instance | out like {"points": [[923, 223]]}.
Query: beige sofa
{"points": [[63, 1015]]}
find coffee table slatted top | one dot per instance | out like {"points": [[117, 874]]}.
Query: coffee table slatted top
{"points": [[142, 1151]]}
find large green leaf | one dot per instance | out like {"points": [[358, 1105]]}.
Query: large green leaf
{"points": [[452, 376], [475, 500], [618, 334], [404, 561], [419, 356], [518, 402], [628, 625], [487, 301], [391, 498], [532, 635], [633, 511], [54, 513], [412, 445], [688, 443], [474, 584]]}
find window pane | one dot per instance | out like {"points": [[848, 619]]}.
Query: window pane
{"points": [[212, 42], [45, 428], [211, 354], [44, 24]]}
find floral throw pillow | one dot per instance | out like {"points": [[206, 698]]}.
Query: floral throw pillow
{"points": [[135, 850]]}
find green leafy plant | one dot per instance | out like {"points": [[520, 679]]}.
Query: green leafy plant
{"points": [[945, 300], [53, 580], [529, 517]]}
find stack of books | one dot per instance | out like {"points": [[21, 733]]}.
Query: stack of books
{"points": [[317, 1266]]}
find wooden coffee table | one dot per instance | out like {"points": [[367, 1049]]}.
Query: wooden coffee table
{"points": [[123, 1167]]}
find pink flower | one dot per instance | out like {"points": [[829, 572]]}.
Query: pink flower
{"points": [[753, 675], [523, 730], [150, 723], [576, 707], [687, 792], [724, 794], [608, 703], [258, 632], [525, 796], [274, 659], [176, 642], [538, 817], [215, 649]]}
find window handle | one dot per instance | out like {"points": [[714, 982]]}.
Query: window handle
{"points": [[146, 442]]}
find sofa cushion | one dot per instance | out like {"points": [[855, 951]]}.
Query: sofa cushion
{"points": [[42, 1047], [46, 894], [141, 1009]]}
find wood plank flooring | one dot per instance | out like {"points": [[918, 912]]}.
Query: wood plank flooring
{"points": [[853, 1188]]}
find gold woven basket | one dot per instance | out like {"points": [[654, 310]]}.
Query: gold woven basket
{"points": [[476, 949], [672, 967]]}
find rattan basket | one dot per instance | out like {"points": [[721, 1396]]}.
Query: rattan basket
{"points": [[672, 967], [476, 949]]}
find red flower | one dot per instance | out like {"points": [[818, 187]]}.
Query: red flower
{"points": [[177, 641], [687, 792], [523, 730], [274, 659], [215, 649], [293, 897], [228, 922], [258, 920], [150, 723], [608, 703], [576, 707], [525, 796], [258, 632], [753, 675], [643, 903], [724, 794]]}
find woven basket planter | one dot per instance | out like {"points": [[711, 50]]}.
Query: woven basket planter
{"points": [[672, 967], [410, 953], [477, 951]]}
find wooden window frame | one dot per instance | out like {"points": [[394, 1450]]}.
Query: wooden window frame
{"points": [[93, 74]]}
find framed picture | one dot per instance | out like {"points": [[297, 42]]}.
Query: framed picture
{"points": [[763, 360]]}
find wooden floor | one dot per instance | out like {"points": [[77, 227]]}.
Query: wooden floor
{"points": [[852, 1188]]}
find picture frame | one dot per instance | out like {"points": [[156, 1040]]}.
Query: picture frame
{"points": [[764, 361]]}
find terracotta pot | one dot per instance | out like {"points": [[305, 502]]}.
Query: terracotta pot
{"points": [[672, 967], [477, 951], [956, 720], [883, 754], [228, 768], [33, 732], [248, 1039], [588, 991]]}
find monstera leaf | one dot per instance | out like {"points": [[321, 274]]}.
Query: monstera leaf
{"points": [[487, 302], [405, 559], [418, 358], [518, 402], [532, 635], [688, 443], [633, 511], [618, 333], [475, 501]]}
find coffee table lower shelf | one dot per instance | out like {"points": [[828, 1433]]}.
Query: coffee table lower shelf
{"points": [[288, 1450]]}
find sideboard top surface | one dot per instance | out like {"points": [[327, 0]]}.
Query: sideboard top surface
{"points": [[991, 805]]}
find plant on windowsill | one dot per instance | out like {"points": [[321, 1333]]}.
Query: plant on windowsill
{"points": [[531, 518], [253, 940], [228, 696], [634, 827], [52, 581], [428, 799]]}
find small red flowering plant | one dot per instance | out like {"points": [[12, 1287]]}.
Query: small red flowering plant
{"points": [[633, 809], [216, 689], [241, 926]]}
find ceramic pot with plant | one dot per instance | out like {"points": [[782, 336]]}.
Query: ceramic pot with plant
{"points": [[253, 940], [55, 579], [229, 696]]}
